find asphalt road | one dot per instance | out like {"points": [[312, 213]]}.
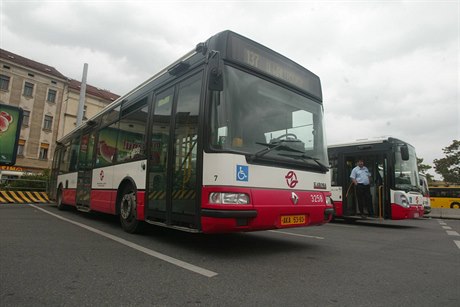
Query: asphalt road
{"points": [[54, 258]]}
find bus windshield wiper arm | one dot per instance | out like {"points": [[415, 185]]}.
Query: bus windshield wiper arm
{"points": [[272, 146], [305, 157]]}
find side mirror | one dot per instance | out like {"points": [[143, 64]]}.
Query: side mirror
{"points": [[404, 152], [215, 75]]}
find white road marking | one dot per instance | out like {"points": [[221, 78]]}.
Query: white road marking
{"points": [[137, 247], [339, 225], [452, 233], [457, 243], [442, 223], [296, 234], [446, 227]]}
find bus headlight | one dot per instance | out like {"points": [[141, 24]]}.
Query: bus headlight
{"points": [[404, 201], [221, 198]]}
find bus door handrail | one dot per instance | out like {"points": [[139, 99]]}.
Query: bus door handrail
{"points": [[380, 200]]}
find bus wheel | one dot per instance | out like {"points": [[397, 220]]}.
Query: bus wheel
{"points": [[59, 203], [455, 206], [128, 211]]}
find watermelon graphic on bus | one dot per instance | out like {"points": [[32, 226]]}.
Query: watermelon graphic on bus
{"points": [[106, 151]]}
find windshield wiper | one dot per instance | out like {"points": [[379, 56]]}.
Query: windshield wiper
{"points": [[305, 157], [284, 145], [295, 146]]}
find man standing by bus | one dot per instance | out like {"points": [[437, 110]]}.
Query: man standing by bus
{"points": [[361, 178]]}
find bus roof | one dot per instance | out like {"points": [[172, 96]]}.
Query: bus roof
{"points": [[376, 140], [231, 45]]}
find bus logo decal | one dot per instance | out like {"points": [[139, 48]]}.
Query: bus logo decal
{"points": [[242, 173], [101, 175], [291, 179], [294, 198]]}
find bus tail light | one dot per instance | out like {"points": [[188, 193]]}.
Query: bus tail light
{"points": [[221, 198]]}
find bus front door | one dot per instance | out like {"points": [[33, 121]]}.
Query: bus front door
{"points": [[172, 185], [377, 167], [85, 172]]}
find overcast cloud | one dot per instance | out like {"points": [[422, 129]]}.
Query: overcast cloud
{"points": [[388, 68]]}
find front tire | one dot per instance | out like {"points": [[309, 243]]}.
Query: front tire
{"points": [[128, 211]]}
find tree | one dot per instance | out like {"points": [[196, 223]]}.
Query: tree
{"points": [[449, 166], [422, 168]]}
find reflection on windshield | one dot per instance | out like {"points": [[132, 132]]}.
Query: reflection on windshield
{"points": [[406, 172], [260, 119]]}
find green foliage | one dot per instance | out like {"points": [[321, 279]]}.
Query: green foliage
{"points": [[31, 182], [449, 166], [422, 168]]}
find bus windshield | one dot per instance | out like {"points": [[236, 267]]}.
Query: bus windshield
{"points": [[267, 122], [406, 172]]}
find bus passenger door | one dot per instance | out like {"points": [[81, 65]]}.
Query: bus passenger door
{"points": [[350, 205], [376, 165], [172, 189], [85, 172]]}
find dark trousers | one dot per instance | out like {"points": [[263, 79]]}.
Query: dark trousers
{"points": [[363, 193]]}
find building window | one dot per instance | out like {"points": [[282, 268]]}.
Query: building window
{"points": [[51, 96], [25, 118], [43, 151], [28, 89], [4, 82], [21, 145], [48, 122]]}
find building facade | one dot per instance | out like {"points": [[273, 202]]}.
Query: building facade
{"points": [[50, 102], [95, 100]]}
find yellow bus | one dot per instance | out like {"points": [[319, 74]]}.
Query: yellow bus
{"points": [[445, 197]]}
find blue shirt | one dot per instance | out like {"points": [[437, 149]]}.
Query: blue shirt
{"points": [[361, 175]]}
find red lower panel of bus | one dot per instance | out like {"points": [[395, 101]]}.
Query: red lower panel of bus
{"points": [[338, 208], [400, 213], [68, 196], [104, 201], [269, 209], [397, 212]]}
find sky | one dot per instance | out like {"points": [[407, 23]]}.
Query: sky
{"points": [[387, 68]]}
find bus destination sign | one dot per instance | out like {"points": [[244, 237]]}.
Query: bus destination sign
{"points": [[273, 64]]}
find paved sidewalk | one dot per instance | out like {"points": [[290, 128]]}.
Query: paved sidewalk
{"points": [[444, 213]]}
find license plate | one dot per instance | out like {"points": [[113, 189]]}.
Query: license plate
{"points": [[293, 220]]}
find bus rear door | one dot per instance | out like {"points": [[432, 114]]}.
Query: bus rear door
{"points": [[85, 167]]}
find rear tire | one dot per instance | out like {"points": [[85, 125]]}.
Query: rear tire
{"points": [[455, 205], [128, 211]]}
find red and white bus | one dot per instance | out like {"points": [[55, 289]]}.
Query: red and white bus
{"points": [[228, 138], [395, 184]]}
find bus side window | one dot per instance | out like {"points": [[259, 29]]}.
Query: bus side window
{"points": [[106, 146], [131, 135]]}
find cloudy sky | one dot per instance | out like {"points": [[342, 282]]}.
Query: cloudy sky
{"points": [[388, 68]]}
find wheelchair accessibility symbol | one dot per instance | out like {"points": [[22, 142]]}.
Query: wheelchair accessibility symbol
{"points": [[242, 173]]}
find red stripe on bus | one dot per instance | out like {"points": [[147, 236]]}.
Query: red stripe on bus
{"points": [[68, 196], [400, 213], [103, 200]]}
